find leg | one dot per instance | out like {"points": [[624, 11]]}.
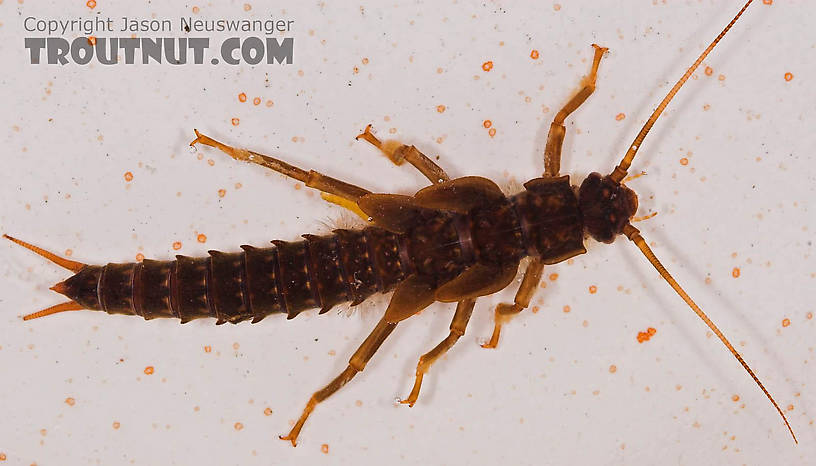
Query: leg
{"points": [[399, 153], [346, 204], [555, 139], [504, 312], [356, 364], [311, 178], [457, 328]]}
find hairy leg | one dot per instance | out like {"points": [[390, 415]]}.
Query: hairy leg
{"points": [[457, 329], [504, 312], [399, 153], [555, 138]]}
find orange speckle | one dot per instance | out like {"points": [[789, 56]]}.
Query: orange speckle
{"points": [[267, 411], [196, 9], [128, 176], [620, 116], [364, 61], [735, 398], [68, 252], [487, 123], [593, 289], [645, 336], [235, 346], [788, 76], [553, 277], [709, 71], [242, 97], [355, 70], [487, 66], [721, 77], [235, 121], [139, 257], [809, 315], [2, 457], [177, 245], [325, 448], [706, 107], [201, 238], [735, 272], [148, 370], [247, 7], [785, 322], [256, 101], [91, 4], [534, 54], [208, 349], [210, 162], [567, 309], [440, 108], [238, 185], [557, 6], [684, 161], [613, 368], [238, 426], [70, 401], [116, 424], [91, 40], [269, 103], [535, 309], [222, 192], [491, 132], [790, 407], [767, 2]]}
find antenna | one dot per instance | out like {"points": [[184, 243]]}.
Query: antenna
{"points": [[620, 171], [634, 235]]}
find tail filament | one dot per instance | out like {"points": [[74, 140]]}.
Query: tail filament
{"points": [[66, 306], [73, 266]]}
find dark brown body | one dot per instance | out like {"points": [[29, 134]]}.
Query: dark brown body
{"points": [[348, 265]]}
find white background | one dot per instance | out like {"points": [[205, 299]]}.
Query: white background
{"points": [[546, 395]]}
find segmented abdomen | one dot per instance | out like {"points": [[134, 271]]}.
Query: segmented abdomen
{"points": [[318, 272]]}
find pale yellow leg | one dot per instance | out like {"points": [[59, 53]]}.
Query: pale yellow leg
{"points": [[457, 328], [504, 312], [347, 204]]}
